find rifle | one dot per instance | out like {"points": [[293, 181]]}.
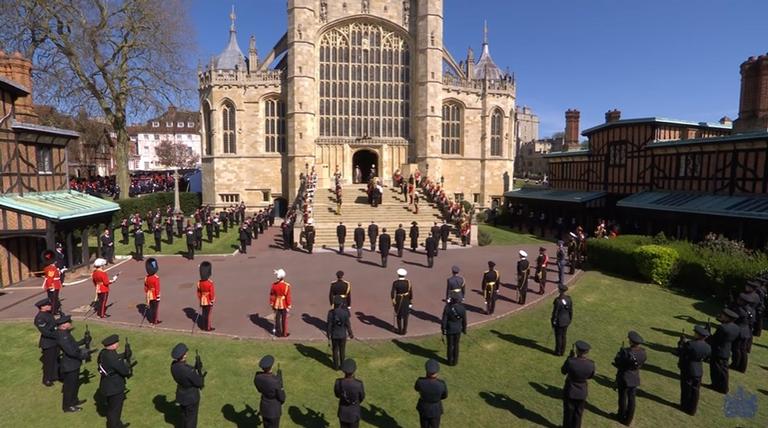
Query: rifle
{"points": [[573, 351], [199, 367], [681, 342], [87, 338], [280, 375], [709, 325], [128, 354]]}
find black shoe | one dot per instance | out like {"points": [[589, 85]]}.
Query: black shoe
{"points": [[72, 409], [48, 382], [81, 402]]}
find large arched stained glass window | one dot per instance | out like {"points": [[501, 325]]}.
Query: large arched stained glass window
{"points": [[364, 82], [497, 131], [228, 123], [208, 121], [451, 144], [274, 125]]}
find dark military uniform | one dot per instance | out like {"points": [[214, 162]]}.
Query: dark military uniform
{"points": [[562, 315], [169, 231], [46, 324], [400, 240], [523, 271], [309, 237], [190, 243], [337, 330], [454, 322], [351, 393], [108, 247], [138, 242], [578, 371], [720, 343], [373, 235], [445, 232], [743, 344], [435, 232], [431, 247], [124, 230], [560, 264], [180, 225], [343, 289], [385, 244], [243, 235], [114, 369], [401, 296], [341, 235], [272, 397], [70, 360], [188, 385], [430, 406], [158, 233], [199, 236], [490, 284], [690, 355], [628, 362], [359, 240], [455, 284], [414, 235]]}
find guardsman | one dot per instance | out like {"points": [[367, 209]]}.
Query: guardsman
{"points": [[309, 234], [453, 324], [690, 354], [628, 362], [402, 296], [431, 248], [124, 230], [206, 294], [359, 239], [400, 240], [743, 345], [455, 283], [560, 262], [491, 281], [373, 234], [541, 269], [562, 315], [341, 235], [432, 391], [114, 369], [272, 393], [108, 246], [157, 231], [385, 244], [169, 230], [102, 282], [138, 243], [189, 382], [351, 393], [280, 301], [445, 232], [52, 280], [339, 327], [190, 237], [720, 342], [46, 325], [523, 271], [573, 253], [243, 235], [152, 291], [414, 235], [72, 357], [578, 370], [341, 288]]}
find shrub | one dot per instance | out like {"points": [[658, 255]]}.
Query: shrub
{"points": [[484, 238], [189, 203], [656, 263], [615, 255]]}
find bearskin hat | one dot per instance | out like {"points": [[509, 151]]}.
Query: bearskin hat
{"points": [[205, 270], [48, 257], [151, 266]]}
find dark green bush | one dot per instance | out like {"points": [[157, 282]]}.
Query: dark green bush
{"points": [[189, 203], [615, 255], [484, 238], [656, 263]]}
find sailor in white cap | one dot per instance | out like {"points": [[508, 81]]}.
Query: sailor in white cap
{"points": [[523, 271], [402, 296]]}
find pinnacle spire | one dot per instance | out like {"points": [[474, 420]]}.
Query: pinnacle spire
{"points": [[485, 32], [232, 17]]}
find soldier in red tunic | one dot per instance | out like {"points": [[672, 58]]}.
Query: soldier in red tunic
{"points": [[102, 282], [280, 300], [206, 293], [152, 291], [52, 280]]}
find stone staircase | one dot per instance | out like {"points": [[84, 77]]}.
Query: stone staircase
{"points": [[392, 212]]}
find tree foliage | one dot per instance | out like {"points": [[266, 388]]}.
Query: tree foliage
{"points": [[120, 58], [176, 154]]}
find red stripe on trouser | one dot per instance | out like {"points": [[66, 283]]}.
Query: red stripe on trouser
{"points": [[103, 309]]}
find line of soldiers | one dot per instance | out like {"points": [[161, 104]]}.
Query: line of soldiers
{"points": [[253, 226]]}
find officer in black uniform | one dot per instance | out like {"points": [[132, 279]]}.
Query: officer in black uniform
{"points": [[628, 362], [431, 247], [190, 236], [359, 239], [454, 322], [337, 330], [720, 342], [414, 235], [46, 324], [445, 232], [124, 230], [272, 393], [198, 236], [341, 235], [432, 391], [560, 262], [490, 284], [523, 272], [562, 315], [114, 369], [455, 284], [578, 370], [385, 244], [189, 382], [180, 225], [435, 232], [158, 233], [690, 354], [72, 357], [341, 288], [743, 345], [209, 229], [351, 393], [243, 235], [169, 230], [309, 235], [400, 240], [401, 295], [108, 245], [373, 234], [752, 288], [138, 242]]}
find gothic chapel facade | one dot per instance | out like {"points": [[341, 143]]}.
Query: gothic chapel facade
{"points": [[355, 82]]}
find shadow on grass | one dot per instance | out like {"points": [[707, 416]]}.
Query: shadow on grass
{"points": [[419, 351], [171, 412], [314, 353], [504, 401], [425, 316], [378, 417], [661, 371], [316, 322], [100, 403], [690, 319], [522, 341], [86, 376], [247, 417], [673, 333], [610, 383], [310, 419], [762, 391], [658, 347], [374, 321]]}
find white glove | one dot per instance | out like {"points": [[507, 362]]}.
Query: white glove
{"points": [[114, 278]]}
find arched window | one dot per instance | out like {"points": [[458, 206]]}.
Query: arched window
{"points": [[452, 114], [364, 69], [497, 130], [228, 123], [208, 118], [274, 125]]}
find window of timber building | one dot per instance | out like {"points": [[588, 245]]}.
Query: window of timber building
{"points": [[274, 125], [44, 160], [228, 123], [364, 82], [208, 121], [452, 115], [229, 197], [497, 130], [617, 154], [689, 165]]}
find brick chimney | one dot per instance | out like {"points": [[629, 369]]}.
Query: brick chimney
{"points": [[18, 69], [571, 140], [753, 102], [725, 120], [612, 116]]}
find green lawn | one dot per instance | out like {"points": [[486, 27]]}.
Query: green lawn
{"points": [[506, 378], [225, 244], [503, 235]]}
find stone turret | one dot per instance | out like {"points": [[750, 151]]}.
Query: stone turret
{"points": [[253, 55], [232, 57], [486, 69]]}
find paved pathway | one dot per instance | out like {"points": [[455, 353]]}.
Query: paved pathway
{"points": [[243, 281]]}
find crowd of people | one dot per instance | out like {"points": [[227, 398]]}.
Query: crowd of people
{"points": [[141, 183]]}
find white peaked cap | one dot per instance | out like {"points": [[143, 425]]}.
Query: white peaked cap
{"points": [[99, 262], [402, 272], [523, 253], [280, 274]]}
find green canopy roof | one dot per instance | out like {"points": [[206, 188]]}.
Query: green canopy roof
{"points": [[572, 196], [58, 206], [698, 203]]}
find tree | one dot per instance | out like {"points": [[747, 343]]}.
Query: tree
{"points": [[176, 155], [117, 57]]}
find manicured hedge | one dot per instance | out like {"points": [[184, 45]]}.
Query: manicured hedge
{"points": [[656, 263], [484, 238], [616, 255], [189, 203]]}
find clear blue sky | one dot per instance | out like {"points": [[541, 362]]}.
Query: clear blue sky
{"points": [[669, 58]]}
